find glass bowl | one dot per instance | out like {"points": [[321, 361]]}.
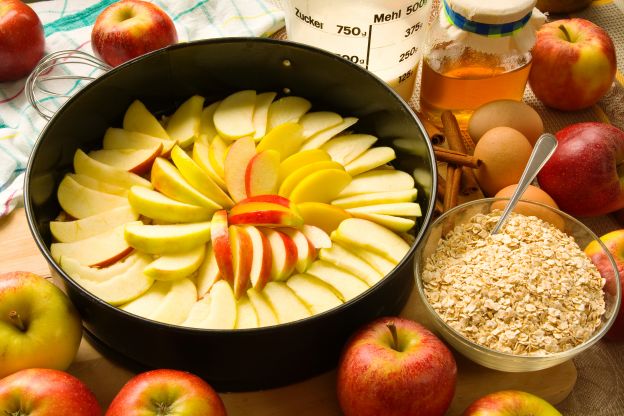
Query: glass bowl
{"points": [[486, 356]]}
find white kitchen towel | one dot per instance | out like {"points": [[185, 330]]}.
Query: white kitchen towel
{"points": [[67, 25]]}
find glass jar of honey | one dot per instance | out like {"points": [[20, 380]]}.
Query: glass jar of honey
{"points": [[477, 51]]}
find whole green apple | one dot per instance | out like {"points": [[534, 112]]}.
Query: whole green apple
{"points": [[511, 403], [39, 326]]}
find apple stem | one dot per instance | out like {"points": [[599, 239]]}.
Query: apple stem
{"points": [[17, 320], [395, 337], [565, 32]]}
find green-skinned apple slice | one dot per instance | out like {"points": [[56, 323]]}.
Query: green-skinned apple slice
{"points": [[285, 139], [169, 302], [316, 295], [165, 239], [116, 138], [376, 198], [138, 118], [266, 314], [356, 232], [345, 259], [345, 149], [378, 180], [85, 165], [81, 202], [160, 207], [261, 114], [246, 316], [345, 285], [322, 137], [98, 185], [402, 209], [391, 222], [233, 118], [318, 121], [183, 125], [287, 306], [285, 110], [176, 266], [371, 159], [70, 231]]}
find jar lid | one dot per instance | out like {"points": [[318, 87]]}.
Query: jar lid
{"points": [[492, 11]]}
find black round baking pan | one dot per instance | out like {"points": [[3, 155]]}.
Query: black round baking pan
{"points": [[248, 359]]}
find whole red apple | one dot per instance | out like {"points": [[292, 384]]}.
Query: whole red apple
{"points": [[131, 28], [511, 403], [583, 175], [395, 367], [21, 40], [166, 392], [573, 64], [614, 241], [46, 392]]}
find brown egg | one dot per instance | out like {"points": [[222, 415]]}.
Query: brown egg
{"points": [[504, 153], [533, 194], [507, 113]]}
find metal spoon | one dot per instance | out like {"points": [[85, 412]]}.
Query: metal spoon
{"points": [[542, 151]]}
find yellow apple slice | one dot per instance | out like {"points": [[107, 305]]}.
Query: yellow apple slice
{"points": [[199, 312], [206, 122], [306, 252], [73, 267], [81, 202], [136, 161], [198, 178], [216, 155], [236, 161], [322, 137], [300, 159], [322, 215], [215, 311], [376, 198], [318, 121], [71, 231], [316, 295], [345, 149], [377, 261], [287, 306], [183, 125], [233, 118], [378, 180], [85, 165], [201, 156], [356, 232], [396, 224], [168, 180], [261, 258], [97, 185], [291, 181], [242, 256], [159, 207], [246, 316], [285, 110], [208, 273], [262, 173], [401, 209], [286, 139], [319, 238], [115, 138], [266, 314], [165, 239], [138, 118], [344, 284], [345, 259], [176, 266], [169, 302], [371, 159], [321, 186], [261, 114]]}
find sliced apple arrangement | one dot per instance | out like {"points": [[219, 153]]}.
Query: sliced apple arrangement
{"points": [[245, 213]]}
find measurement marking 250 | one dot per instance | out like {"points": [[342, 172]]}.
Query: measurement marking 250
{"points": [[350, 30], [405, 55]]}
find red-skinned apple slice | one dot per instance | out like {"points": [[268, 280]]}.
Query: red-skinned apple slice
{"points": [[136, 161], [262, 173], [319, 238], [240, 242], [85, 165], [208, 273], [272, 216], [236, 161], [306, 253], [262, 257], [284, 254], [274, 199], [220, 238]]}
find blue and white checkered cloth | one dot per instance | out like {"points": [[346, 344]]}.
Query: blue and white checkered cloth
{"points": [[67, 25]]}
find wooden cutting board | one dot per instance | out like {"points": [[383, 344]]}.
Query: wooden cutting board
{"points": [[312, 397]]}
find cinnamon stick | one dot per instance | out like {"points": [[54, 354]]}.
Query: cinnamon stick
{"points": [[469, 144], [453, 179], [435, 135], [469, 184], [441, 187], [456, 158]]}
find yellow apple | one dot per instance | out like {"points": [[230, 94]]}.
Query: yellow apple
{"points": [[165, 239], [318, 121], [326, 217], [377, 261], [183, 125], [300, 159], [321, 186], [285, 139], [371, 159], [293, 179], [376, 198], [157, 206]]}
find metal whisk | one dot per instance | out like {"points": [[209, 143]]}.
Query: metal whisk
{"points": [[51, 80]]}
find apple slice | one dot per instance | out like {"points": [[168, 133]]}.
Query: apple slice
{"points": [[306, 253], [200, 155], [81, 202], [115, 139], [208, 273], [283, 254], [300, 159], [261, 258], [71, 231], [401, 209], [121, 288], [136, 161], [378, 262], [264, 214], [316, 295], [318, 121], [322, 215], [242, 256], [206, 122], [319, 238], [166, 239], [378, 180], [345, 149], [356, 232], [396, 224], [233, 118], [262, 173], [266, 314], [345, 259], [236, 161], [97, 185], [287, 306], [375, 198], [220, 238], [344, 284], [168, 180], [295, 178], [176, 266], [165, 301], [159, 207], [273, 199], [183, 125], [321, 186], [285, 110], [85, 165], [73, 267], [138, 118], [261, 114], [322, 137], [198, 178], [218, 149], [285, 139], [221, 313], [246, 316], [371, 159]]}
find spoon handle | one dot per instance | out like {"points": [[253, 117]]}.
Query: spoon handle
{"points": [[542, 151]]}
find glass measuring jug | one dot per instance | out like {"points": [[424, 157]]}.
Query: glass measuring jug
{"points": [[383, 36]]}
